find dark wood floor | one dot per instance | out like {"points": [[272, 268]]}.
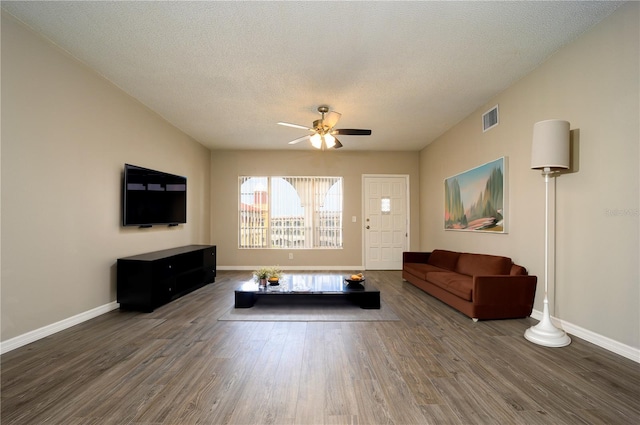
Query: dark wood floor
{"points": [[180, 365]]}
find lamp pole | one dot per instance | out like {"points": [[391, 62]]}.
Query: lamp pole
{"points": [[545, 333]]}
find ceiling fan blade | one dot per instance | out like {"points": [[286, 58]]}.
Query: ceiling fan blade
{"points": [[295, 125], [338, 145], [299, 139], [351, 132], [331, 118]]}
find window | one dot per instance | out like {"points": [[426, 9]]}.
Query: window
{"points": [[290, 212], [385, 205]]}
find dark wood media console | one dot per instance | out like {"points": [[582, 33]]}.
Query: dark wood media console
{"points": [[147, 281]]}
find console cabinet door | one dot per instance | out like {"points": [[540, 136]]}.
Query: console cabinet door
{"points": [[209, 261]]}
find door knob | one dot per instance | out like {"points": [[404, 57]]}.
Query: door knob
{"points": [[367, 227]]}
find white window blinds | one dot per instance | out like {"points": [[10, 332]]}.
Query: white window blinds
{"points": [[290, 212]]}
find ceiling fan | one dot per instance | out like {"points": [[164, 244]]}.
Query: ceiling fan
{"points": [[322, 133]]}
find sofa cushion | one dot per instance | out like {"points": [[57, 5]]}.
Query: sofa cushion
{"points": [[517, 270], [483, 265], [444, 259], [442, 279], [416, 269], [420, 270], [457, 284], [462, 287]]}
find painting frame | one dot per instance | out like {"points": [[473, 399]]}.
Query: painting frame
{"points": [[476, 200]]}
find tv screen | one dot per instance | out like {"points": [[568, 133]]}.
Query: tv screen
{"points": [[153, 197]]}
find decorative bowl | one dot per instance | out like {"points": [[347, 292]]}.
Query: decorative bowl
{"points": [[348, 279], [354, 284]]}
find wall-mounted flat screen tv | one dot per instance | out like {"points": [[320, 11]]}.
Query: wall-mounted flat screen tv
{"points": [[153, 197]]}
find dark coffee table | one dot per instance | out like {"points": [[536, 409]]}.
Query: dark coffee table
{"points": [[296, 288]]}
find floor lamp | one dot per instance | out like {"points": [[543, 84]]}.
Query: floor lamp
{"points": [[550, 153]]}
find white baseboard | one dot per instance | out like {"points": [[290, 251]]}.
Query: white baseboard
{"points": [[608, 344], [29, 337]]}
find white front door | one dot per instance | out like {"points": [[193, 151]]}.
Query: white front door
{"points": [[386, 221]]}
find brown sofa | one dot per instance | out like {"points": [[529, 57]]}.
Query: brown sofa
{"points": [[478, 285]]}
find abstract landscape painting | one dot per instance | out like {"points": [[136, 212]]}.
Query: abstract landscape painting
{"points": [[475, 199]]}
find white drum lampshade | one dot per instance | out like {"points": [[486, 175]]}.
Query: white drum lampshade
{"points": [[551, 146]]}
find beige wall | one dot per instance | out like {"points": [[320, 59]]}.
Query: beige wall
{"points": [[227, 166], [66, 134], [594, 84]]}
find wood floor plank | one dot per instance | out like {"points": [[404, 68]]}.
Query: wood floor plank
{"points": [[372, 407], [311, 397], [388, 376], [340, 391], [416, 370], [180, 365]]}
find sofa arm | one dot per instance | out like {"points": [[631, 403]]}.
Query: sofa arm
{"points": [[492, 290], [415, 257]]}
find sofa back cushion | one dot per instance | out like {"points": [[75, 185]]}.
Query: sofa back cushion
{"points": [[483, 265], [517, 270], [444, 259]]}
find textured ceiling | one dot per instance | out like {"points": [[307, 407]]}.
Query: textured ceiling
{"points": [[226, 72]]}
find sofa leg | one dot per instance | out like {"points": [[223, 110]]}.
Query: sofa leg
{"points": [[475, 319]]}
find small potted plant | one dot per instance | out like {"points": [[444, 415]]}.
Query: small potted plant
{"points": [[261, 275]]}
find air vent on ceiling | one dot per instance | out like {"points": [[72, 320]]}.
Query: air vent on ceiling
{"points": [[490, 119]]}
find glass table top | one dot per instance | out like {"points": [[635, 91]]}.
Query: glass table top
{"points": [[307, 283]]}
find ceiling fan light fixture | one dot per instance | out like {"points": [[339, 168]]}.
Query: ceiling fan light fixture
{"points": [[316, 141], [323, 141], [329, 141]]}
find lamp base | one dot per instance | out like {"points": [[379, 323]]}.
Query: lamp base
{"points": [[545, 333]]}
